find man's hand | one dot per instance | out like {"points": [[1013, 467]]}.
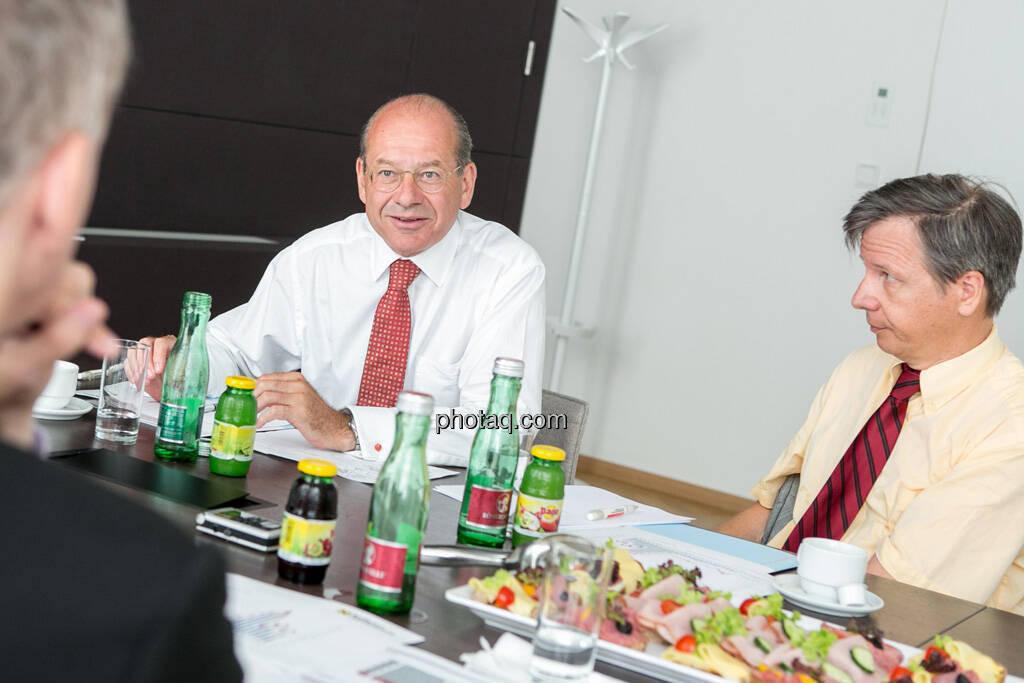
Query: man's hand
{"points": [[160, 348], [748, 524], [74, 322], [288, 396]]}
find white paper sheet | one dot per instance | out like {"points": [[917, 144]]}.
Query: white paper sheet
{"points": [[285, 635], [579, 500], [718, 570], [292, 445]]}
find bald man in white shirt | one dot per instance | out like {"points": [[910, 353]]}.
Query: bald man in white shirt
{"points": [[478, 294]]}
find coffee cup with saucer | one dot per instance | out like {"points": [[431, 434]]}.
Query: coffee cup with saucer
{"points": [[830, 578]]}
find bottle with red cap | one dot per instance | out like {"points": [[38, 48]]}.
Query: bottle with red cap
{"points": [[398, 513]]}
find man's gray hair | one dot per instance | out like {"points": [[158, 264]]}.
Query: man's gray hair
{"points": [[963, 224], [463, 141], [62, 63]]}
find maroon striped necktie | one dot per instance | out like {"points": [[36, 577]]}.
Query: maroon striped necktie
{"points": [[842, 496]]}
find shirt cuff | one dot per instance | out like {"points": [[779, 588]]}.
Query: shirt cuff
{"points": [[375, 429]]}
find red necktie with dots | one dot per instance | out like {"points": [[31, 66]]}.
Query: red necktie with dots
{"points": [[842, 496], [388, 351]]}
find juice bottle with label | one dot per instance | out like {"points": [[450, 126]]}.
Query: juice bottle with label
{"points": [[234, 428], [186, 374], [398, 513], [307, 531], [539, 508], [492, 462]]}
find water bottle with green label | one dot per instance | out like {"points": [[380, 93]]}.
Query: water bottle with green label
{"points": [[398, 513], [185, 379]]}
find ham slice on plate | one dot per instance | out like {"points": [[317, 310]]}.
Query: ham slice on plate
{"points": [[839, 655], [668, 586], [675, 625]]}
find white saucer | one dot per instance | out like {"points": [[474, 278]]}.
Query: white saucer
{"points": [[789, 586], [75, 408]]}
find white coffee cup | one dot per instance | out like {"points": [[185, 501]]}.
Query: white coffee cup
{"points": [[832, 570], [61, 387]]}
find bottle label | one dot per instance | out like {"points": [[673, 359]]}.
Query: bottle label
{"points": [[383, 565], [306, 541], [537, 516], [231, 442], [488, 507], [170, 426]]}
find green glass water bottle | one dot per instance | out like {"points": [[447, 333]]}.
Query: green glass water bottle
{"points": [[398, 513], [185, 380], [492, 462], [234, 428]]}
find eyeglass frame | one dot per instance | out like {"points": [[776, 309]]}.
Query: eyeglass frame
{"points": [[447, 174]]}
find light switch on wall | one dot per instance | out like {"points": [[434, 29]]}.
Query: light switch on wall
{"points": [[866, 176]]}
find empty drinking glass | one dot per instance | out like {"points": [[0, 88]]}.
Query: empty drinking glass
{"points": [[122, 387], [572, 600]]}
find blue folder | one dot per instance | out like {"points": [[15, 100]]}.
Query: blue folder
{"points": [[775, 560]]}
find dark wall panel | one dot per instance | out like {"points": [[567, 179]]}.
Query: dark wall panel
{"points": [[472, 53], [305, 63], [164, 270], [165, 171]]}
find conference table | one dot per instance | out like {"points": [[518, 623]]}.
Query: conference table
{"points": [[911, 615]]}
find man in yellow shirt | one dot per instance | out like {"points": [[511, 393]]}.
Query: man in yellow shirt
{"points": [[914, 448]]}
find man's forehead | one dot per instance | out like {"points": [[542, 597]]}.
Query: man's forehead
{"points": [[891, 239]]}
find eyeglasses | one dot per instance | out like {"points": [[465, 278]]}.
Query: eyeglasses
{"points": [[429, 178]]}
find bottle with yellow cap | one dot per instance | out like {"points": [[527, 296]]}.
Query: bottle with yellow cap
{"points": [[234, 428], [307, 530], [539, 508]]}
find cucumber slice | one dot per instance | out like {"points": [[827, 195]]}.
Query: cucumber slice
{"points": [[792, 631], [763, 644], [835, 673], [862, 657], [785, 667]]}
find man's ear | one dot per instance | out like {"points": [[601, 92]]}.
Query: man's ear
{"points": [[973, 294], [64, 189], [468, 180], [361, 179]]}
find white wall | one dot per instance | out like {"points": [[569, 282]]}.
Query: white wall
{"points": [[715, 272]]}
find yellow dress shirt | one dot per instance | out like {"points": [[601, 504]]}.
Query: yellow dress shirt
{"points": [[947, 511]]}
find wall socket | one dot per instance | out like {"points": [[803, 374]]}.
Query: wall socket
{"points": [[879, 106]]}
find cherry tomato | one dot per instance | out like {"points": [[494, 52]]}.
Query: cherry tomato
{"points": [[505, 597], [686, 644], [668, 606], [934, 649], [899, 672], [745, 605]]}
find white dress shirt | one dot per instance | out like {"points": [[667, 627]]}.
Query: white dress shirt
{"points": [[480, 295]]}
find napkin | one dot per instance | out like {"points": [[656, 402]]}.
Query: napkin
{"points": [[509, 660]]}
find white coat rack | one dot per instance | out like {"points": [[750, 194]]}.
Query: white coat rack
{"points": [[612, 42]]}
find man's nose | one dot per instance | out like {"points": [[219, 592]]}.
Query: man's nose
{"points": [[863, 298], [408, 191]]}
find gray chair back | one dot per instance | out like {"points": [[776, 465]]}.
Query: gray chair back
{"points": [[782, 508], [570, 438]]}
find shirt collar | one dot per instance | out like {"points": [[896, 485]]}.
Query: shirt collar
{"points": [[436, 262], [942, 382]]}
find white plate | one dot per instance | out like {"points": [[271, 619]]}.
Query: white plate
{"points": [[647, 662], [75, 408], [789, 586]]}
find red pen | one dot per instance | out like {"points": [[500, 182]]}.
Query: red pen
{"points": [[607, 513]]}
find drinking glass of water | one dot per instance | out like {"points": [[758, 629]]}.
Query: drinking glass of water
{"points": [[571, 606], [122, 386]]}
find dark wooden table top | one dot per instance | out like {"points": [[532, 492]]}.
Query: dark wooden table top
{"points": [[911, 615]]}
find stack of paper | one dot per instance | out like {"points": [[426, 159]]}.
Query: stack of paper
{"points": [[292, 445]]}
